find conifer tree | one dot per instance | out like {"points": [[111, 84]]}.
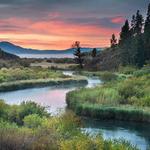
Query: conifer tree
{"points": [[113, 41], [133, 23], [124, 44], [147, 35], [138, 23], [78, 55], [94, 52], [125, 33], [139, 52]]}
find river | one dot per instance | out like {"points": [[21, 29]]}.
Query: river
{"points": [[53, 98]]}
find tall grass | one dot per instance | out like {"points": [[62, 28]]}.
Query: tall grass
{"points": [[23, 84], [15, 74], [127, 99]]}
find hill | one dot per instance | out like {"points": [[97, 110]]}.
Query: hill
{"points": [[15, 49], [7, 56]]}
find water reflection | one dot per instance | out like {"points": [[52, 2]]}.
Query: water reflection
{"points": [[137, 133], [52, 97]]}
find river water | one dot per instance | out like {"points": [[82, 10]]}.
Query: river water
{"points": [[53, 98]]}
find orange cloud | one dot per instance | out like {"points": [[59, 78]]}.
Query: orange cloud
{"points": [[52, 34]]}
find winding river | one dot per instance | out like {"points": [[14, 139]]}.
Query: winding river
{"points": [[53, 98]]}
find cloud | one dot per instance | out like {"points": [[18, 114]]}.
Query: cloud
{"points": [[59, 22]]}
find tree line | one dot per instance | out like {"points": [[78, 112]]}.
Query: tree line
{"points": [[133, 45], [134, 42]]}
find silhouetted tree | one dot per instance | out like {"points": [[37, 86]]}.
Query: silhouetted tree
{"points": [[138, 52], [147, 35], [133, 24], [113, 41], [138, 23], [125, 33], [124, 43], [94, 52], [77, 53]]}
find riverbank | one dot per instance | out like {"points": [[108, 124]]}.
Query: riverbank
{"points": [[24, 84], [21, 78], [126, 99], [29, 126]]}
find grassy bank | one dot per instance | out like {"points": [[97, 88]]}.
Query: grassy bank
{"points": [[29, 127], [16, 74], [23, 84], [121, 98], [17, 78]]}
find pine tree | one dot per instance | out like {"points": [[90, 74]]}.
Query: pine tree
{"points": [[133, 23], [78, 55], [94, 52], [139, 52], [124, 44], [113, 41], [138, 23], [125, 33], [147, 35]]}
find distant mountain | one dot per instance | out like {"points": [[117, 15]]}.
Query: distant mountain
{"points": [[14, 49], [7, 56]]}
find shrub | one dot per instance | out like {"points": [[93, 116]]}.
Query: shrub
{"points": [[33, 121], [29, 108], [127, 69], [3, 110], [108, 76], [142, 72]]}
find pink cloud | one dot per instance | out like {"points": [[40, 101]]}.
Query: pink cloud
{"points": [[118, 20], [54, 34]]}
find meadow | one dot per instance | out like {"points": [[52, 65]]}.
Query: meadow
{"points": [[21, 78], [123, 96]]}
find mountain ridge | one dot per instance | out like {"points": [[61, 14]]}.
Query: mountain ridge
{"points": [[15, 49], [7, 56]]}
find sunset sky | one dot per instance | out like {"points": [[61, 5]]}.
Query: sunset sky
{"points": [[55, 24]]}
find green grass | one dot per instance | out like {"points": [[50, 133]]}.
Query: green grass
{"points": [[16, 74], [125, 99], [29, 126], [14, 79], [23, 84]]}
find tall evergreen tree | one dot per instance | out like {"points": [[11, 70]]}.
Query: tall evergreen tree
{"points": [[78, 55], [147, 35], [125, 33], [124, 44], [113, 41], [133, 23], [94, 52], [138, 23], [139, 52]]}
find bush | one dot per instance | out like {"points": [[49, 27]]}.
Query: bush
{"points": [[127, 69], [142, 72], [29, 108], [3, 110], [33, 121], [41, 132], [108, 76]]}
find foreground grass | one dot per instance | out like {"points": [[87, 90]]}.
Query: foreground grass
{"points": [[29, 127], [122, 99]]}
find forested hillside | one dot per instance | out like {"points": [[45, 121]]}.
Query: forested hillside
{"points": [[132, 47]]}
